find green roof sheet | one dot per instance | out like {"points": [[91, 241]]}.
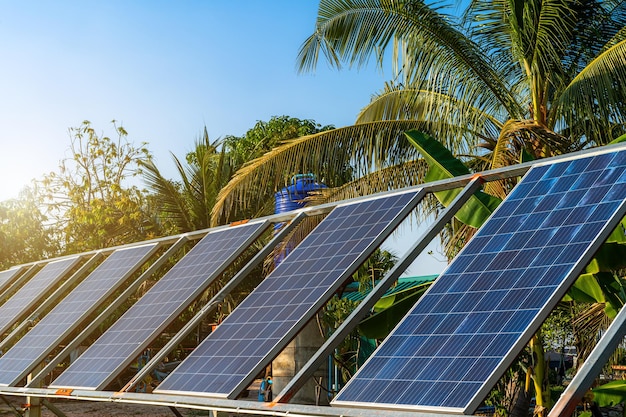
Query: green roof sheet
{"points": [[404, 284]]}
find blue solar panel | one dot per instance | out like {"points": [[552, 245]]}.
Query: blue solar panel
{"points": [[147, 318], [31, 349], [8, 277], [282, 304], [458, 340], [31, 292]]}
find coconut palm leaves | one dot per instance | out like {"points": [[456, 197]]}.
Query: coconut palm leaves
{"points": [[510, 78], [335, 156]]}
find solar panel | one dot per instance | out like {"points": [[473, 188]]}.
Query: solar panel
{"points": [[468, 328], [287, 299], [149, 316], [31, 292], [31, 349], [7, 277]]}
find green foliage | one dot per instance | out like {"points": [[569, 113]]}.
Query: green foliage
{"points": [[557, 330], [90, 200], [350, 351], [185, 204], [265, 136], [24, 236], [380, 324], [444, 165], [374, 268], [261, 139], [611, 393]]}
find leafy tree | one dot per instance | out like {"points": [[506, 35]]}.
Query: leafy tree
{"points": [[90, 199], [264, 138], [24, 235]]}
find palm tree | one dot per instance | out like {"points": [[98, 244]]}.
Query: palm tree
{"points": [[507, 79], [185, 205]]}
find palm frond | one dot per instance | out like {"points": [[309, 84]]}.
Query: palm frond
{"points": [[453, 121], [170, 202], [360, 149], [407, 174], [354, 30], [596, 95]]}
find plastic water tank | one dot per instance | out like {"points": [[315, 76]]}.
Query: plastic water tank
{"points": [[290, 198]]}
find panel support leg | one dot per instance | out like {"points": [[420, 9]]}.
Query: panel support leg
{"points": [[34, 403]]}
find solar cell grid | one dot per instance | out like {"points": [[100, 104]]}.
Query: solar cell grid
{"points": [[7, 277], [31, 292], [459, 338], [275, 311], [31, 349], [147, 318]]}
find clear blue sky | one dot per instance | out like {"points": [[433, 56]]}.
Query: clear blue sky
{"points": [[162, 69]]}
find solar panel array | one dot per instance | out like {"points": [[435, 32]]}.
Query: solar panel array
{"points": [[31, 349], [283, 303], [466, 330], [31, 292], [147, 318]]}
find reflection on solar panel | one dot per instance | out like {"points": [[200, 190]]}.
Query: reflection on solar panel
{"points": [[147, 318], [276, 310], [6, 278], [467, 329], [31, 292], [31, 349]]}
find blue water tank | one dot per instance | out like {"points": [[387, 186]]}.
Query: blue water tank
{"points": [[290, 198]]}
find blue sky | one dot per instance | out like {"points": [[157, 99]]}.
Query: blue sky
{"points": [[163, 70]]}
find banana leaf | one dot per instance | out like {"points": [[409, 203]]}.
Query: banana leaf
{"points": [[618, 140], [586, 289], [610, 257], [609, 394], [384, 303], [443, 165], [600, 287], [378, 325]]}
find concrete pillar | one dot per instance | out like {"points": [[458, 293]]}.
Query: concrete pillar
{"points": [[293, 358]]}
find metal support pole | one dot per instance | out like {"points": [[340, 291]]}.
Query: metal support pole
{"points": [[34, 403], [378, 291], [580, 384], [175, 411]]}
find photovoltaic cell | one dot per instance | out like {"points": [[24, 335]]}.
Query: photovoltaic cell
{"points": [[467, 329], [31, 292], [261, 326], [148, 317], [31, 349]]}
